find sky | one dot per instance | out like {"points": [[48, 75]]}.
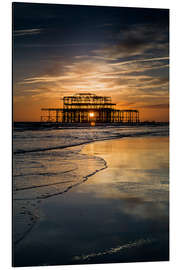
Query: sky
{"points": [[61, 50]]}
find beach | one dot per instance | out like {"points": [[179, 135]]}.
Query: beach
{"points": [[90, 134], [108, 203]]}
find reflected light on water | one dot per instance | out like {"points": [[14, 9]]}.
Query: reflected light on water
{"points": [[137, 168]]}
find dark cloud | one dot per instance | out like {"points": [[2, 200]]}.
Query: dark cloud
{"points": [[156, 106], [61, 49], [137, 40]]}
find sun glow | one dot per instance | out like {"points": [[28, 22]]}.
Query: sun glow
{"points": [[91, 114]]}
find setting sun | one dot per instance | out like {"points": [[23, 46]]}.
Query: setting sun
{"points": [[91, 114], [90, 134], [127, 58]]}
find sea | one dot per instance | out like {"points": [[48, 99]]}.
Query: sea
{"points": [[48, 161]]}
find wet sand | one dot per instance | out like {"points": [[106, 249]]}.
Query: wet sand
{"points": [[120, 214]]}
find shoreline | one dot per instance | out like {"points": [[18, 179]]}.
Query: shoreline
{"points": [[140, 134], [111, 205]]}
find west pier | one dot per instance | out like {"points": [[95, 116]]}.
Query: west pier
{"points": [[89, 108]]}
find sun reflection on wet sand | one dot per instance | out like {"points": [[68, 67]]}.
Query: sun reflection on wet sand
{"points": [[120, 214], [137, 168]]}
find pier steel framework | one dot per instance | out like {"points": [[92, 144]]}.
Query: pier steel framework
{"points": [[89, 108]]}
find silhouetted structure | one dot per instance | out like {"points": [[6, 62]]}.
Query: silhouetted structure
{"points": [[89, 108]]}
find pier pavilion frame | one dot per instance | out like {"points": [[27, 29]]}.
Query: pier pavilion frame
{"points": [[89, 108]]}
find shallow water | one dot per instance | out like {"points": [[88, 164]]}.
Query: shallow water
{"points": [[137, 167], [120, 214], [45, 165], [43, 175]]}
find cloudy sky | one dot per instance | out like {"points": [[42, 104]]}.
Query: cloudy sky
{"points": [[63, 49]]}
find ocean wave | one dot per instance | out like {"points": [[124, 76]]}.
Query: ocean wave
{"points": [[27, 193], [64, 141], [51, 164]]}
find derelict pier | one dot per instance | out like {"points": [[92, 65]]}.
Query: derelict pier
{"points": [[89, 108]]}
